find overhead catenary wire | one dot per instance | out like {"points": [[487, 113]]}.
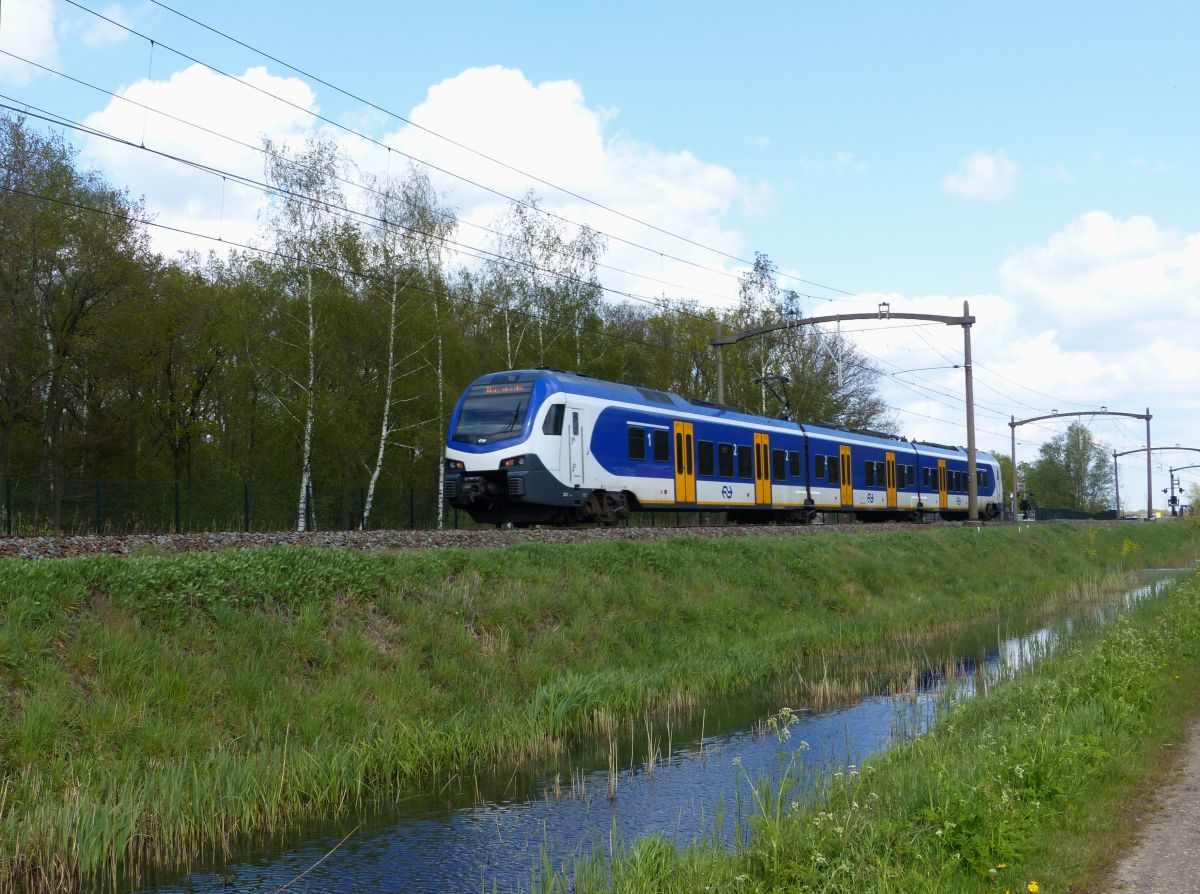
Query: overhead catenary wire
{"points": [[432, 166], [437, 293], [474, 151], [370, 190]]}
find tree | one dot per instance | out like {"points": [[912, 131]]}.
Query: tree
{"points": [[306, 186], [1072, 471], [819, 374]]}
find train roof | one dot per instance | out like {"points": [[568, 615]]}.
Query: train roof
{"points": [[580, 383]]}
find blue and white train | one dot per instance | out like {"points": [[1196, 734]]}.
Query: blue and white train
{"points": [[545, 446]]}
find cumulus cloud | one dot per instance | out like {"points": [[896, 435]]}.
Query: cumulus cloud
{"points": [[1100, 270], [983, 177], [549, 129], [185, 197], [27, 28], [1099, 314]]}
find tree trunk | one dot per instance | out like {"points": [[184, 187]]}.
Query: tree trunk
{"points": [[309, 418], [385, 425]]}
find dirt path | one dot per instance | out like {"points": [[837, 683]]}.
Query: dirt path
{"points": [[1167, 859]]}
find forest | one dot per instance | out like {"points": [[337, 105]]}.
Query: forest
{"points": [[314, 370]]}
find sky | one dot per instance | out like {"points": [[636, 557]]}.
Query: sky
{"points": [[1040, 161]]}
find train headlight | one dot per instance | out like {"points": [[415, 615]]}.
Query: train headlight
{"points": [[455, 465], [512, 462]]}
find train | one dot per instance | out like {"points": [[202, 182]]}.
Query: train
{"points": [[547, 446]]}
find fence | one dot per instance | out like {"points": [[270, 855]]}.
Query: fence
{"points": [[35, 506]]}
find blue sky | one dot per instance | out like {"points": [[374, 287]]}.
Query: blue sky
{"points": [[1038, 159]]}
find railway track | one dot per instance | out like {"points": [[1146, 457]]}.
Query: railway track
{"points": [[71, 546]]}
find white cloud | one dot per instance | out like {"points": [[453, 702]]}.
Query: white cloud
{"points": [[548, 128], [27, 28], [184, 197], [96, 32], [983, 177], [1099, 271], [1100, 314]]}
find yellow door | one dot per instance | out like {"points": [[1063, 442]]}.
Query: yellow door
{"points": [[762, 469], [890, 462], [685, 469], [847, 482], [943, 501]]}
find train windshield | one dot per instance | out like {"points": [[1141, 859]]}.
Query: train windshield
{"points": [[493, 412]]}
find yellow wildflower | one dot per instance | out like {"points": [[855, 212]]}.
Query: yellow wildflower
{"points": [[1033, 888]]}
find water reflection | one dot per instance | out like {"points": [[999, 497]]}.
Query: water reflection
{"points": [[675, 777]]}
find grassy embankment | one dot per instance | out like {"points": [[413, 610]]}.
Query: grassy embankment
{"points": [[1036, 787], [157, 705]]}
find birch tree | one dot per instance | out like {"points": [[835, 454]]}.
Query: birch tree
{"points": [[407, 256], [306, 188]]}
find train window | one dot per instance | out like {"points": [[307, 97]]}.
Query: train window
{"points": [[870, 469], [912, 475], [981, 477], [704, 457], [678, 453], [554, 418], [794, 464], [661, 441], [831, 466], [637, 442], [778, 465], [725, 460], [819, 467], [745, 461], [881, 474]]}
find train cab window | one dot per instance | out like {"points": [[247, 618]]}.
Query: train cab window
{"points": [[981, 477], [794, 464], [554, 418], [637, 442], [834, 473], [778, 465], [819, 467], [704, 457], [869, 466], [725, 460], [661, 441], [745, 458]]}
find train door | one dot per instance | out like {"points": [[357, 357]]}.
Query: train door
{"points": [[890, 465], [762, 469], [685, 469], [574, 441], [943, 500], [847, 481]]}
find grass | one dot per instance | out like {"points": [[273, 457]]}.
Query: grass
{"points": [[1026, 789], [155, 708]]}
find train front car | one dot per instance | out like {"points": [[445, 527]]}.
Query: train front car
{"points": [[505, 457]]}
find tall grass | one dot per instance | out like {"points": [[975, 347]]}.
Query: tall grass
{"points": [[1024, 789], [157, 708]]}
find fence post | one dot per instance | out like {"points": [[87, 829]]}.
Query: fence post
{"points": [[8, 521], [246, 506], [177, 528], [97, 505]]}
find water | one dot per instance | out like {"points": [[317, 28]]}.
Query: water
{"points": [[677, 778]]}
